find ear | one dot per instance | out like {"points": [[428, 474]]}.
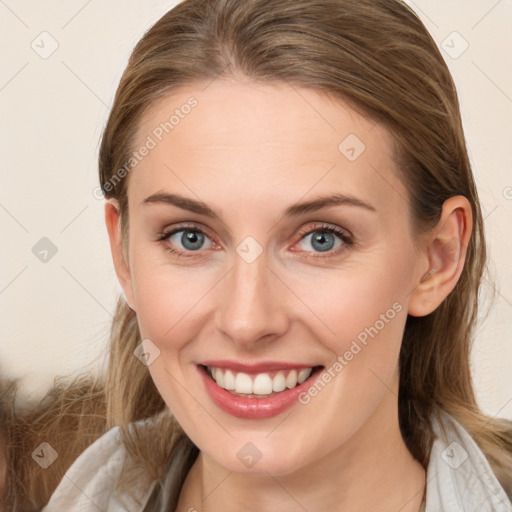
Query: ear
{"points": [[121, 266], [445, 251]]}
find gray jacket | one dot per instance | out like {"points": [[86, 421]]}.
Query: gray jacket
{"points": [[459, 478]]}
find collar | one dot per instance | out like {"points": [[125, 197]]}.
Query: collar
{"points": [[459, 477]]}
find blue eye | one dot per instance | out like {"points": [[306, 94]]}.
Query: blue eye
{"points": [[322, 241], [326, 239], [190, 239]]}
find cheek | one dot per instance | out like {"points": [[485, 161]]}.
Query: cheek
{"points": [[168, 301], [359, 302]]}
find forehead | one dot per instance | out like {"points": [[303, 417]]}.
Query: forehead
{"points": [[233, 137]]}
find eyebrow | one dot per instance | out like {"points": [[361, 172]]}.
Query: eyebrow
{"points": [[295, 210]]}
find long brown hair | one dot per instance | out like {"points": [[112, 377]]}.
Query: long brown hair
{"points": [[377, 56]]}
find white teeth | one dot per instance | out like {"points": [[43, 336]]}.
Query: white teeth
{"points": [[243, 383], [278, 382], [303, 375], [291, 379], [229, 380], [262, 384], [219, 378]]}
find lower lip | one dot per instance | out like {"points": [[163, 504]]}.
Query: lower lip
{"points": [[252, 408]]}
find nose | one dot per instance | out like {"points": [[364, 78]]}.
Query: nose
{"points": [[251, 307]]}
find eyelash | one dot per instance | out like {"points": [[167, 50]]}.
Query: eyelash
{"points": [[343, 235]]}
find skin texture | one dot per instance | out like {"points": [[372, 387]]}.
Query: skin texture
{"points": [[250, 151]]}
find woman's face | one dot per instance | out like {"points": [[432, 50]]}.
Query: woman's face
{"points": [[232, 266]]}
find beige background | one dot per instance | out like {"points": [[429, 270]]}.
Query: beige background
{"points": [[56, 315]]}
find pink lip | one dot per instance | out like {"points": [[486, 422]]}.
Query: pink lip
{"points": [[252, 408], [267, 366]]}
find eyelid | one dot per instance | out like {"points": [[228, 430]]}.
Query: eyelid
{"points": [[166, 232], [326, 226]]}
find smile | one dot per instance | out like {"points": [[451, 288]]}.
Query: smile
{"points": [[252, 394]]}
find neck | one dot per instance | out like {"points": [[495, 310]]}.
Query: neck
{"points": [[372, 471]]}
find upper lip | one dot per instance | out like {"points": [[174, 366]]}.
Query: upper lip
{"points": [[264, 366]]}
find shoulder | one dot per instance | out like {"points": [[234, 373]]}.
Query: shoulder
{"points": [[459, 477], [90, 482]]}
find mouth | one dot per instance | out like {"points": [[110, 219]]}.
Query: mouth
{"points": [[256, 395]]}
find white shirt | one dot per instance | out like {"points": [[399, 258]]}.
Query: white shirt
{"points": [[459, 478]]}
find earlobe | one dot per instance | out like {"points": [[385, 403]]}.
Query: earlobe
{"points": [[446, 255], [121, 266]]}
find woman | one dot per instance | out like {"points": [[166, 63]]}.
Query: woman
{"points": [[296, 229]]}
